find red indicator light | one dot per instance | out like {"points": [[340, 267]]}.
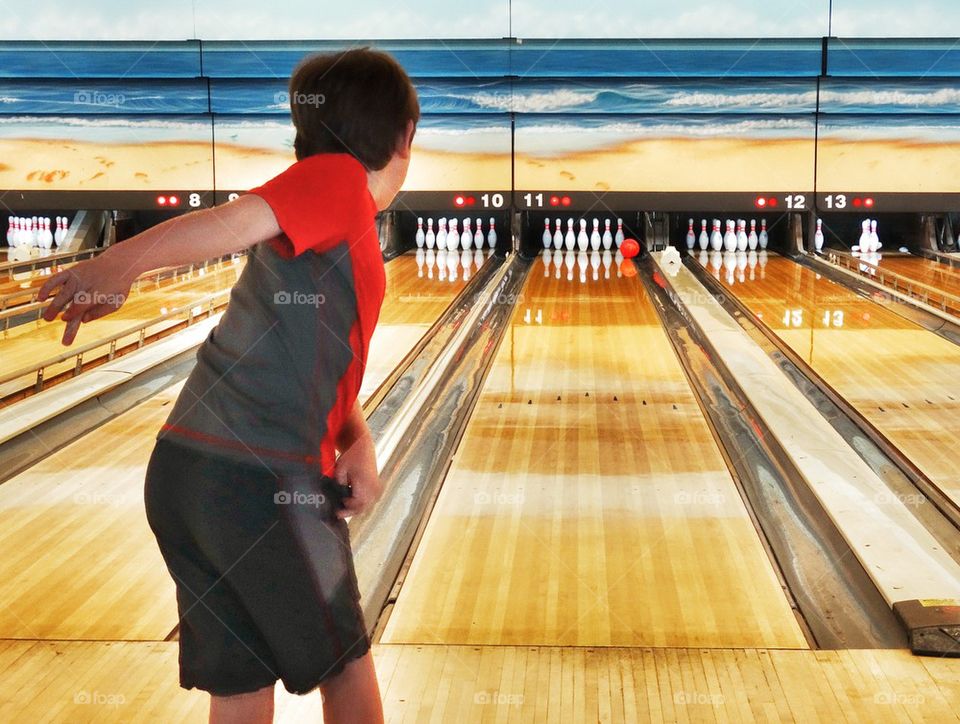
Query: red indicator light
{"points": [[858, 202], [772, 202], [554, 200], [761, 202], [173, 200], [565, 201], [458, 200], [162, 200], [471, 201], [868, 201]]}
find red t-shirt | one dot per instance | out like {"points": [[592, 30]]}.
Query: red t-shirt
{"points": [[281, 372]]}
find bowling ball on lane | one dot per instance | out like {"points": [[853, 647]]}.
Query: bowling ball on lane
{"points": [[629, 248]]}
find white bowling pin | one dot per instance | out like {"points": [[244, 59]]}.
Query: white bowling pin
{"points": [[583, 241], [442, 236], [864, 244], [547, 236], [420, 237], [478, 235], [607, 239], [466, 238], [618, 237], [691, 235], [716, 238], [570, 240], [492, 234], [874, 238], [430, 238], [558, 237], [741, 235], [730, 238], [752, 238], [704, 240], [763, 239], [453, 238], [595, 235], [818, 237]]}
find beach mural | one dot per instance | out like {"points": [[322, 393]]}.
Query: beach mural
{"points": [[694, 135], [889, 136], [97, 135]]}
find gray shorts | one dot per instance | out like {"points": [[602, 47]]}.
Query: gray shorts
{"points": [[266, 588]]}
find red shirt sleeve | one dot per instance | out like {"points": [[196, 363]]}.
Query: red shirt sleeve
{"points": [[317, 201]]}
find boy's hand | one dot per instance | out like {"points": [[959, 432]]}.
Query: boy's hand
{"points": [[87, 290], [357, 467]]}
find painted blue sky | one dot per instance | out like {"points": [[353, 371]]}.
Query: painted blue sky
{"points": [[255, 19]]}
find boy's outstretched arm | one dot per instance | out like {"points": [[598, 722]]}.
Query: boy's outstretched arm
{"points": [[94, 288]]}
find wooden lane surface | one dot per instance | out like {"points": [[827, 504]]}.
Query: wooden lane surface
{"points": [[416, 297], [899, 376], [35, 341], [927, 271], [588, 504], [77, 558], [136, 682]]}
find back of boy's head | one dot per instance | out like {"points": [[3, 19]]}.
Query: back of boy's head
{"points": [[356, 101]]}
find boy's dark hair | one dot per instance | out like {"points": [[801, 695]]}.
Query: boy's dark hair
{"points": [[356, 101]]}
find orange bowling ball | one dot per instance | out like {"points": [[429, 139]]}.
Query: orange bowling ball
{"points": [[629, 248]]}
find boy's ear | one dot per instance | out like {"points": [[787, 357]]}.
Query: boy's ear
{"points": [[405, 141]]}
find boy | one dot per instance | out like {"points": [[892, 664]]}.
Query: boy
{"points": [[244, 491]]}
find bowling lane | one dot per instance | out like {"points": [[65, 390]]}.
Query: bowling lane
{"points": [[926, 271], [899, 376], [420, 287], [77, 558], [588, 503], [25, 344]]}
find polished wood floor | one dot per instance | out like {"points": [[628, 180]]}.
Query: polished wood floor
{"points": [[28, 343], [899, 376], [418, 292], [588, 504], [927, 271], [97, 682]]}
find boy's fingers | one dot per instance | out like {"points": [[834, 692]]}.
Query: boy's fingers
{"points": [[70, 332], [67, 288], [48, 286]]}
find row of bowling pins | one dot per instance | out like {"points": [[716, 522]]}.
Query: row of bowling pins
{"points": [[449, 238], [23, 231], [449, 263], [594, 261], [735, 264], [736, 237], [581, 240]]}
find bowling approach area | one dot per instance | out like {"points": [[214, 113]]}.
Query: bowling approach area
{"points": [[659, 442]]}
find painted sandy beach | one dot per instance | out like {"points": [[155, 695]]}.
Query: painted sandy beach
{"points": [[667, 164]]}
